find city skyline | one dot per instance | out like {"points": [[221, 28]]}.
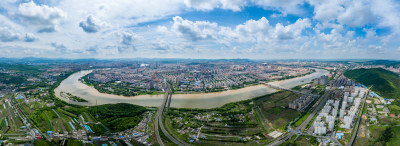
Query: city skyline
{"points": [[217, 29]]}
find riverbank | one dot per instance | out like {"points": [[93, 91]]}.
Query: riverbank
{"points": [[203, 100], [124, 89]]}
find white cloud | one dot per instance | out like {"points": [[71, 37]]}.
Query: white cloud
{"points": [[334, 43], [126, 42], [357, 14], [261, 30], [206, 5], [91, 24], [45, 17], [162, 29], [286, 6], [198, 30], [276, 15], [30, 37], [258, 34], [254, 26], [138, 28], [389, 14], [370, 34], [7, 36], [326, 10], [291, 31], [60, 48], [252, 30], [121, 13], [127, 38], [162, 46], [326, 24]]}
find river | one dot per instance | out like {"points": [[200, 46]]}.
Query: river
{"points": [[199, 100]]}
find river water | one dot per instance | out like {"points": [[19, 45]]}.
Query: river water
{"points": [[201, 100]]}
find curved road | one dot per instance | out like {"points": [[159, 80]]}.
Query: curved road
{"points": [[168, 128], [158, 122]]}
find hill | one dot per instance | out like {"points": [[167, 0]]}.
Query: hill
{"points": [[385, 83]]}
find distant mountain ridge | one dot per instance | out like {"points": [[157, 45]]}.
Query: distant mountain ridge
{"points": [[385, 83]]}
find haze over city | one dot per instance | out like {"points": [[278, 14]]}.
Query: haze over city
{"points": [[267, 29]]}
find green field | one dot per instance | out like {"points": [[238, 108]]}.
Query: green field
{"points": [[384, 135], [302, 119], [385, 83], [306, 140], [395, 107], [8, 115], [274, 108]]}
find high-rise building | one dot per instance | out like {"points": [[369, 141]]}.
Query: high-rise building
{"points": [[323, 80]]}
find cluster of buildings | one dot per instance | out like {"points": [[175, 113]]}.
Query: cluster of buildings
{"points": [[350, 106], [267, 71], [325, 121], [140, 132], [209, 117], [343, 109], [77, 134], [301, 102], [194, 76], [143, 77]]}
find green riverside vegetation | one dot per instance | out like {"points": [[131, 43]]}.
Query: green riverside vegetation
{"points": [[385, 83], [72, 97]]}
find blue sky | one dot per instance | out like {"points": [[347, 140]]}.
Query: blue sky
{"points": [[255, 29]]}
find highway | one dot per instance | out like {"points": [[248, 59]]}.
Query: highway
{"points": [[175, 138], [158, 122]]}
